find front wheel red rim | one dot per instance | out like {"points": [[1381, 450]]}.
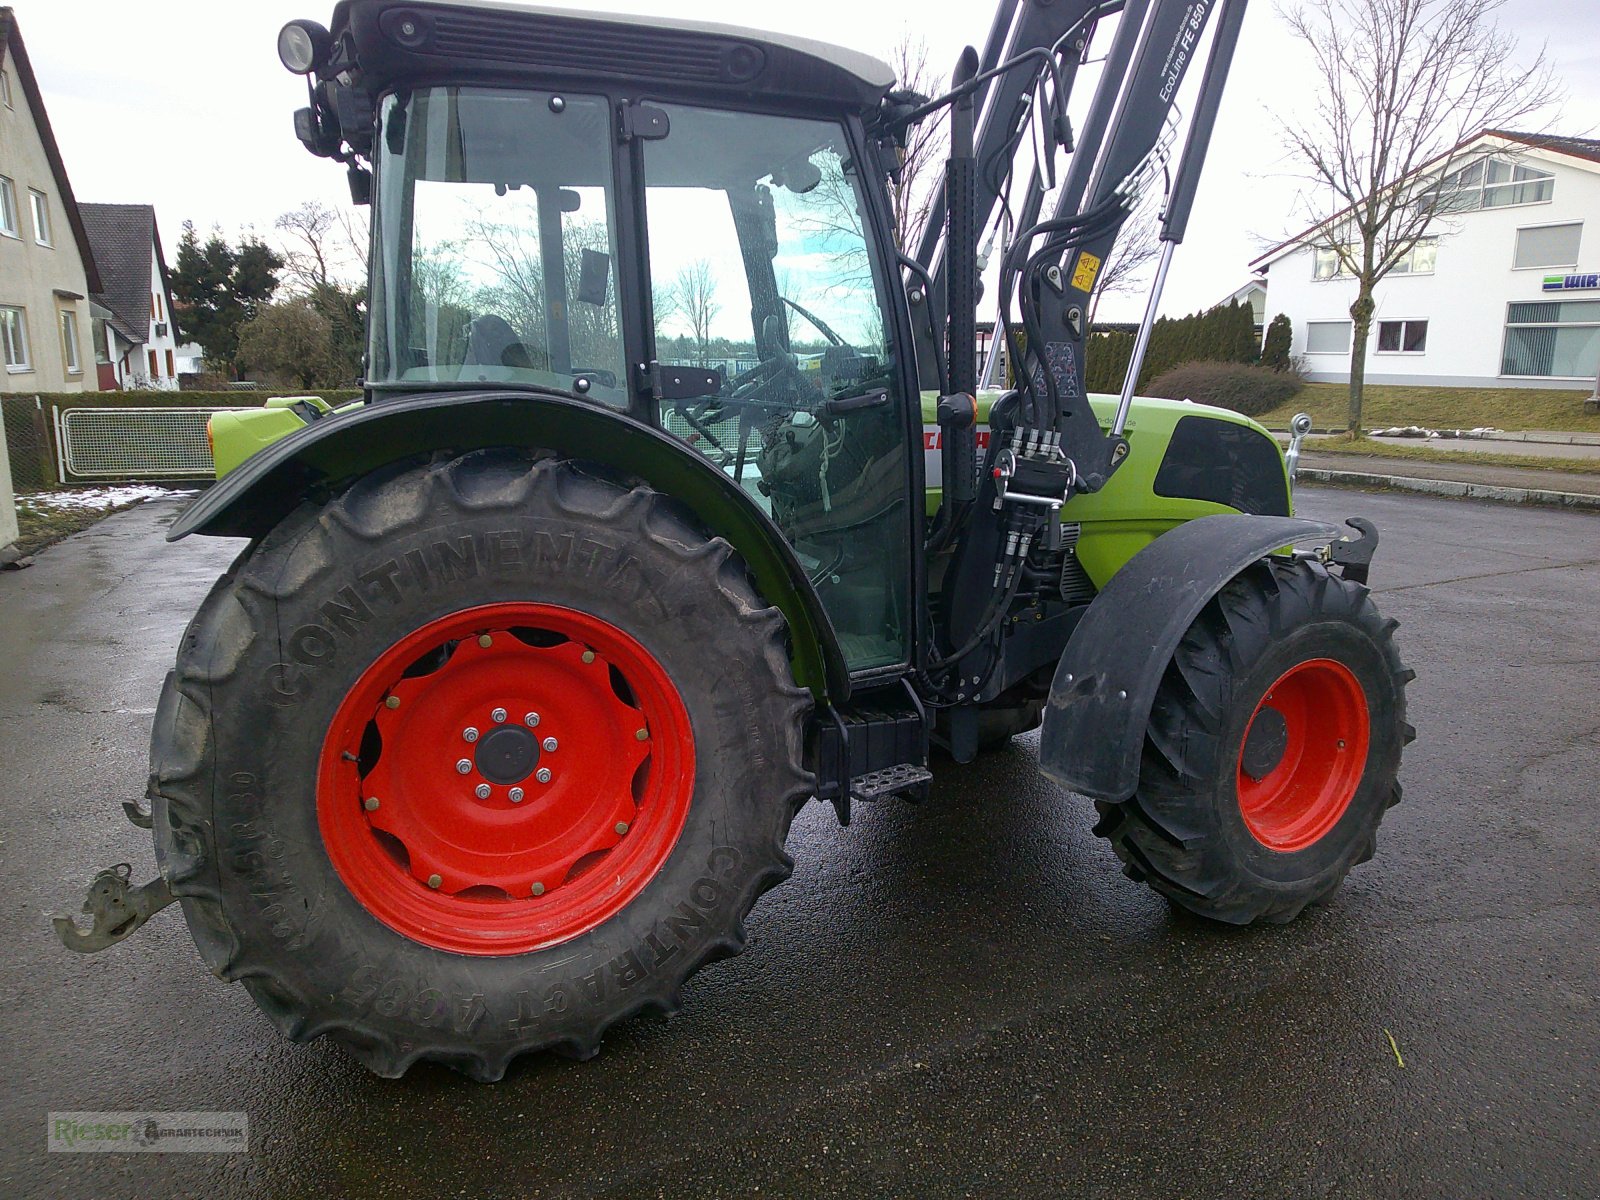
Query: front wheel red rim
{"points": [[1303, 755], [505, 778]]}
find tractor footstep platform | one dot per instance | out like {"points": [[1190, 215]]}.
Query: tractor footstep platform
{"points": [[875, 785]]}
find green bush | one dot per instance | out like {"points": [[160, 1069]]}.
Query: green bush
{"points": [[1244, 388], [1275, 349]]}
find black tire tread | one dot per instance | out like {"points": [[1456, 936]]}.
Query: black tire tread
{"points": [[1154, 832], [374, 508]]}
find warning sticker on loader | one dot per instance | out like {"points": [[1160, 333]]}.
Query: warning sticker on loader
{"points": [[1083, 274]]}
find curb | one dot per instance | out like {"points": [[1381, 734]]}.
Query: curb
{"points": [[1452, 488]]}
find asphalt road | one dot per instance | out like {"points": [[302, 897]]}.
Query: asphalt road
{"points": [[965, 998]]}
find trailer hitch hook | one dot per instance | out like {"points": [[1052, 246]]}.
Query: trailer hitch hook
{"points": [[115, 908]]}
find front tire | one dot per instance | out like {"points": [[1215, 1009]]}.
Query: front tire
{"points": [[1272, 749], [479, 758]]}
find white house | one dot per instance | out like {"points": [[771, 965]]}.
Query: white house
{"points": [[135, 337], [1253, 293], [1503, 292]]}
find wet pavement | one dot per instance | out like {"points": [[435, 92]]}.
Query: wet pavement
{"points": [[962, 998]]}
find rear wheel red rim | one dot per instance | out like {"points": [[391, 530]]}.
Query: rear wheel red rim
{"points": [[1325, 730], [505, 778]]}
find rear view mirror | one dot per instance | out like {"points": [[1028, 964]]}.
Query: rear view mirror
{"points": [[570, 200], [594, 275]]}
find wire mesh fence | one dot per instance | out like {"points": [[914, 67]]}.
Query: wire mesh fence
{"points": [[136, 443], [30, 445]]}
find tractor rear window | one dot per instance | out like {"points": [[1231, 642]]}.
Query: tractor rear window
{"points": [[496, 242]]}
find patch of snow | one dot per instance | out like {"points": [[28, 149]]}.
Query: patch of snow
{"points": [[102, 498]]}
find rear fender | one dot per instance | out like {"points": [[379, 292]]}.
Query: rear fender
{"points": [[267, 486], [1105, 684]]}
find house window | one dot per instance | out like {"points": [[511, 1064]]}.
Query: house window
{"points": [[1557, 339], [41, 216], [1547, 246], [1402, 337], [1419, 259], [14, 333], [69, 342], [155, 366], [1327, 337], [1490, 183], [8, 208], [5, 87], [1326, 263], [171, 370], [102, 342]]}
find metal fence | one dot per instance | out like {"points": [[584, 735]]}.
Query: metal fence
{"points": [[135, 443], [29, 444]]}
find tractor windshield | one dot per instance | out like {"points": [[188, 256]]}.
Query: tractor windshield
{"points": [[495, 242]]}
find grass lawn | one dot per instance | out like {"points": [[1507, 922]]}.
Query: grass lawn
{"points": [[1441, 408], [1426, 453]]}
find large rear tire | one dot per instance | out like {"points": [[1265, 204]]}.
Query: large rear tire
{"points": [[478, 758], [1272, 749]]}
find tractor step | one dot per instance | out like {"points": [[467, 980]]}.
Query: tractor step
{"points": [[889, 781]]}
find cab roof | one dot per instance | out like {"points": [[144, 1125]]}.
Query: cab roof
{"points": [[495, 38]]}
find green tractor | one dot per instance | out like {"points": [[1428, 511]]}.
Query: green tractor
{"points": [[675, 499]]}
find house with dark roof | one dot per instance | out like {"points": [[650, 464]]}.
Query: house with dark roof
{"points": [[135, 337], [47, 270], [1503, 291]]}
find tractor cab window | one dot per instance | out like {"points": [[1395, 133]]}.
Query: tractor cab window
{"points": [[765, 291], [496, 242]]}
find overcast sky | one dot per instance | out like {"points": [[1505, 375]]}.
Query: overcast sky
{"points": [[183, 104]]}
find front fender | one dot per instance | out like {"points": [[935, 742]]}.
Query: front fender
{"points": [[254, 497], [1105, 684]]}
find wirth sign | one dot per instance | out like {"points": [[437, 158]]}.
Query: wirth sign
{"points": [[1571, 283]]}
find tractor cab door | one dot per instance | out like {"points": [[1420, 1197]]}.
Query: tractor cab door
{"points": [[768, 296]]}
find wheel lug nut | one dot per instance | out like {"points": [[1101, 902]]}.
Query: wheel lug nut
{"points": [[588, 656], [622, 828], [550, 743], [393, 701], [542, 775], [538, 889], [498, 715], [516, 795], [370, 804], [531, 720], [434, 881], [470, 734], [481, 791], [463, 765], [485, 640]]}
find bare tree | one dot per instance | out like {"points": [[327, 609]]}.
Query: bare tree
{"points": [[1404, 85], [322, 247], [696, 295], [1137, 246], [913, 188]]}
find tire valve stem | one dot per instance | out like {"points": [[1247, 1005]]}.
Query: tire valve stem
{"points": [[434, 881], [538, 889], [370, 804], [392, 702]]}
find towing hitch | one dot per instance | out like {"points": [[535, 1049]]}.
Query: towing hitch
{"points": [[115, 908]]}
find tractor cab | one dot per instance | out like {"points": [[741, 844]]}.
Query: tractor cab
{"points": [[637, 234]]}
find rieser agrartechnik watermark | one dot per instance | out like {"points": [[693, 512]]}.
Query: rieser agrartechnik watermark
{"points": [[148, 1132]]}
